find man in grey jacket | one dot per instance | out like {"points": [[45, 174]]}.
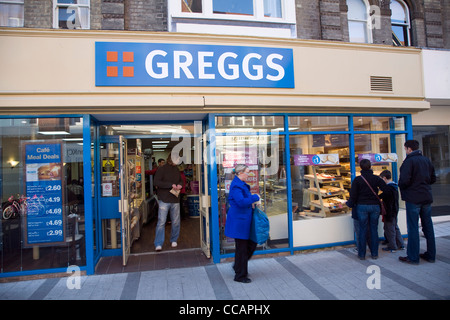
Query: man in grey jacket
{"points": [[416, 177]]}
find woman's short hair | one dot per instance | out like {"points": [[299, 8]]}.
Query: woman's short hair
{"points": [[239, 168]]}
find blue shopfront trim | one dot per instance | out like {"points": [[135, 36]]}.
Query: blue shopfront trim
{"points": [[93, 240]]}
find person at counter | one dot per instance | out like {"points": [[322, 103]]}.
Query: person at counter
{"points": [[367, 205]]}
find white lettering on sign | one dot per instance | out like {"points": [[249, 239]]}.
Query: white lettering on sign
{"points": [[183, 60]]}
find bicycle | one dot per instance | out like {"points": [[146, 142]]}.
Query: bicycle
{"points": [[13, 207]]}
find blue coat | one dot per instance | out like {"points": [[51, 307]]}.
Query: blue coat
{"points": [[239, 216]]}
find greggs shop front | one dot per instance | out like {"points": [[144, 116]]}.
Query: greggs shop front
{"points": [[87, 116]]}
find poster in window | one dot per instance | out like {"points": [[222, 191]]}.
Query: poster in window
{"points": [[44, 190]]}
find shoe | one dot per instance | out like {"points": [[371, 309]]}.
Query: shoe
{"points": [[362, 258], [402, 248], [406, 260], [390, 250], [425, 257], [174, 244], [245, 280], [374, 257], [158, 248]]}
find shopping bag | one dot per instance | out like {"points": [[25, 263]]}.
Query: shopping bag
{"points": [[260, 227]]}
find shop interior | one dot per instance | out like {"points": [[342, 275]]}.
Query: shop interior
{"points": [[148, 147]]}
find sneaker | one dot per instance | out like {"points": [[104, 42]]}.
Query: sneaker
{"points": [[390, 250], [158, 248], [174, 244]]}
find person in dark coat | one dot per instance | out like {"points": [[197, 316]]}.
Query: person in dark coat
{"points": [[239, 220], [367, 206], [416, 177], [390, 199]]}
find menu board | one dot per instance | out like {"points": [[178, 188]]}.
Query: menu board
{"points": [[44, 218]]}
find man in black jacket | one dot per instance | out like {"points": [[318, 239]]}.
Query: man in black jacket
{"points": [[416, 176]]}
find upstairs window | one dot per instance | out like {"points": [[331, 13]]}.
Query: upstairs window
{"points": [[71, 14], [264, 18], [234, 9], [400, 24], [11, 13], [358, 21]]}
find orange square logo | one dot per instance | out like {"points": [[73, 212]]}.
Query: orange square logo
{"points": [[128, 72], [128, 57], [112, 56], [112, 72]]}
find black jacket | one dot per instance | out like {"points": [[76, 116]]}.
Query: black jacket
{"points": [[390, 199], [360, 192], [416, 177], [165, 176]]}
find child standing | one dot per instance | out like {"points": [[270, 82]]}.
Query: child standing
{"points": [[390, 199]]}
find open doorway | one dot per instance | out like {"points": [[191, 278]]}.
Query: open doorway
{"points": [[148, 147]]}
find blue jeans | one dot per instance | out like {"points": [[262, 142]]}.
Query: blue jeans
{"points": [[368, 216], [163, 211], [413, 212]]}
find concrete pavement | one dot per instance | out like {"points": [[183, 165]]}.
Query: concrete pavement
{"points": [[324, 275]]}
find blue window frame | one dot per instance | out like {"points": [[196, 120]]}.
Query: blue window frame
{"points": [[397, 124]]}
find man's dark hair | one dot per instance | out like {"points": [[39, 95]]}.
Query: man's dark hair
{"points": [[413, 144], [365, 164], [387, 174]]}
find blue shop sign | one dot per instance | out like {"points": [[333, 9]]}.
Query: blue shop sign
{"points": [[159, 64]]}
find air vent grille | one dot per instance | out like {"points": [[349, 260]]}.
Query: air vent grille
{"points": [[381, 83]]}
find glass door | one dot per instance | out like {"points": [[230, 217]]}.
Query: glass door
{"points": [[114, 193], [205, 200]]}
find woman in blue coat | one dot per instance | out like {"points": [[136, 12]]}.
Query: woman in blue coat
{"points": [[239, 220]]}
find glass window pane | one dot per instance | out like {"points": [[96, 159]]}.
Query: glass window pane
{"points": [[244, 7], [318, 123], [398, 12], [272, 8], [191, 6], [379, 123], [42, 193], [11, 15], [249, 123], [320, 177], [357, 31], [264, 155], [356, 10]]}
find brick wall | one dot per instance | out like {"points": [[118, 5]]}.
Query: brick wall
{"points": [[38, 14], [316, 19]]}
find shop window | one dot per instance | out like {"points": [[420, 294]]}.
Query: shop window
{"points": [[11, 13], [400, 23], [434, 141], [320, 182], [379, 123], [313, 123], [359, 21], [264, 155], [71, 14], [42, 191]]}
